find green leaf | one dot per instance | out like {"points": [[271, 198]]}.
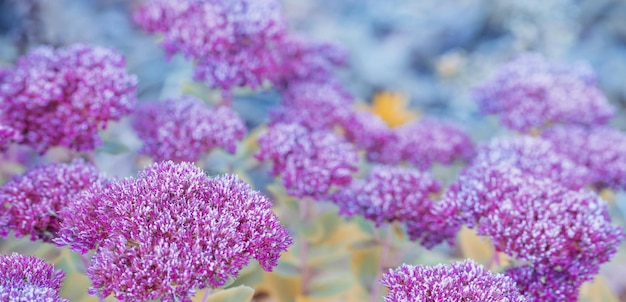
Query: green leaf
{"points": [[330, 284], [286, 269], [234, 294], [365, 263], [112, 147]]}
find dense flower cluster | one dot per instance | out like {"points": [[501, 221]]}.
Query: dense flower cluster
{"points": [[8, 135], [531, 92], [395, 194], [601, 149], [28, 278], [548, 286], [459, 281], [305, 61], [536, 157], [424, 142], [553, 228], [369, 132], [309, 162], [184, 129], [313, 105], [233, 42], [172, 230], [32, 201], [64, 96]]}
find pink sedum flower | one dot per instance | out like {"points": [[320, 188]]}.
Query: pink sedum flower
{"points": [[185, 129], [532, 92], [425, 142], [553, 286], [459, 281], [368, 132], [33, 201], [172, 230], [8, 135], [537, 157], [309, 162], [601, 149], [313, 105], [64, 97], [28, 278], [232, 42]]}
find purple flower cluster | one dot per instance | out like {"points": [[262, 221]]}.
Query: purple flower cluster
{"points": [[601, 149], [536, 157], [531, 92], [8, 135], [551, 286], [232, 41], [32, 201], [170, 231], [537, 220], [184, 129], [305, 61], [309, 162], [28, 278], [313, 105], [396, 194], [424, 142], [368, 132], [459, 281], [64, 96]]}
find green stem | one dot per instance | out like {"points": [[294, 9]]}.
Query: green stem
{"points": [[384, 254], [305, 271]]}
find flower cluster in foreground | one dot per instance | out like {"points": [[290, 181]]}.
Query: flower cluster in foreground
{"points": [[63, 97], [309, 162], [170, 231], [459, 281], [31, 202], [28, 278], [532, 92], [184, 129]]}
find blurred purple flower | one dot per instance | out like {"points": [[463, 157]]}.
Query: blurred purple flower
{"points": [[232, 41], [313, 105], [309, 162], [32, 201], [459, 281], [424, 142], [369, 132], [531, 92], [551, 286], [65, 96], [173, 230], [8, 135], [536, 157], [302, 60], [184, 129], [601, 149], [28, 278]]}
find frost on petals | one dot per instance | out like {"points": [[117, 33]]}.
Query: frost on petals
{"points": [[532, 92], [172, 230], [28, 278], [63, 97], [309, 162], [185, 129], [33, 201], [459, 281]]}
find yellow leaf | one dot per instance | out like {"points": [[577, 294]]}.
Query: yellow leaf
{"points": [[392, 108], [597, 291], [480, 249]]}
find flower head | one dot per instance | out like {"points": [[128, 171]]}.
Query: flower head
{"points": [[32, 201], [531, 92], [28, 278], [601, 149], [536, 157], [309, 162], [172, 230], [184, 129], [232, 41], [302, 60], [8, 135], [459, 281], [550, 286], [369, 132], [64, 97], [313, 105], [424, 142]]}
